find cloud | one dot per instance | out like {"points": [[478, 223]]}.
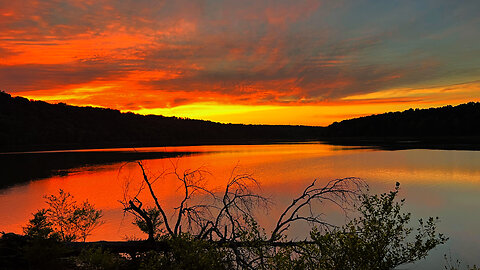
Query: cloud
{"points": [[163, 54], [32, 77]]}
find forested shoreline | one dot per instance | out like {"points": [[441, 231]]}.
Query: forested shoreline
{"points": [[29, 125], [37, 125]]}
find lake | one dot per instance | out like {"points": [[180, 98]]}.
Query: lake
{"points": [[443, 183]]}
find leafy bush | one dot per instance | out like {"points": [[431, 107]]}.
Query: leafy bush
{"points": [[64, 219], [379, 239], [97, 258], [154, 216], [186, 252], [224, 224]]}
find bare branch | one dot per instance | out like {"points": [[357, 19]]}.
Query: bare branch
{"points": [[341, 192], [152, 193]]}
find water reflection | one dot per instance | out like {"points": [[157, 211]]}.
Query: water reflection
{"points": [[435, 183]]}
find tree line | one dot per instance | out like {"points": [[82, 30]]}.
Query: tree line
{"points": [[37, 125], [447, 121]]}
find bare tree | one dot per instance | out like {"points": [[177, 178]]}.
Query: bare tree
{"points": [[216, 218], [227, 217]]}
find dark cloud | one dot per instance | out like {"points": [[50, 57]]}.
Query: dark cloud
{"points": [[5, 52], [21, 78]]}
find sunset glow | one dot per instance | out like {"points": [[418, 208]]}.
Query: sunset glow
{"points": [[302, 62]]}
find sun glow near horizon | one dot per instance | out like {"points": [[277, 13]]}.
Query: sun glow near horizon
{"points": [[315, 114]]}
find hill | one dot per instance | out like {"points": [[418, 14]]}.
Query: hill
{"points": [[448, 125], [461, 120], [36, 125]]}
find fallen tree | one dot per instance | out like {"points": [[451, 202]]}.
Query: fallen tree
{"points": [[219, 230], [379, 238]]}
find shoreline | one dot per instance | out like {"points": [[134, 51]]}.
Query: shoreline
{"points": [[384, 143]]}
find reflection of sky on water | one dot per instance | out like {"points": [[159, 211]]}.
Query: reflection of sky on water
{"points": [[434, 182]]}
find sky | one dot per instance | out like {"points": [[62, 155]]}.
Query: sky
{"points": [[302, 62]]}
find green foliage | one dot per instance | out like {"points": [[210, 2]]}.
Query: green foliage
{"points": [[186, 252], [287, 258], [31, 252], [451, 264], [458, 267], [85, 219], [97, 258], [251, 231], [64, 219], [11, 251], [40, 226], [379, 239], [154, 215], [45, 254]]}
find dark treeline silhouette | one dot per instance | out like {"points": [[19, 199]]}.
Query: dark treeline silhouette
{"points": [[444, 127], [37, 125], [461, 120]]}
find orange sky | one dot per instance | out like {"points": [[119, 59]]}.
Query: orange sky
{"points": [[273, 62]]}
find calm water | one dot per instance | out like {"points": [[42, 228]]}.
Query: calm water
{"points": [[441, 183]]}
